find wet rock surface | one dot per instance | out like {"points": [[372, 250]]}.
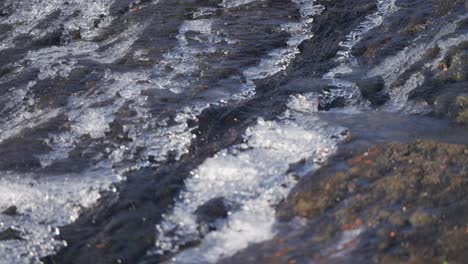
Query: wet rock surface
{"points": [[416, 55], [392, 203], [148, 91], [445, 88], [10, 234], [11, 211], [212, 210], [104, 232], [372, 90]]}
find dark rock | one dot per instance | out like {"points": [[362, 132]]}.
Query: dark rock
{"points": [[337, 102], [75, 34], [432, 53], [212, 210], [402, 194], [11, 211], [96, 23], [5, 28], [52, 39], [373, 90], [10, 234]]}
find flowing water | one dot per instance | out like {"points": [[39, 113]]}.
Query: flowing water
{"points": [[120, 119]]}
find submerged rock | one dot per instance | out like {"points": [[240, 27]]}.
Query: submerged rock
{"points": [[337, 102], [410, 199], [453, 105], [445, 88], [391, 203], [373, 90], [453, 68], [11, 211], [10, 234], [458, 109], [75, 34], [211, 211]]}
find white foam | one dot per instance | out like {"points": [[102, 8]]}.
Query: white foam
{"points": [[150, 135], [236, 3], [44, 204], [91, 114], [252, 175], [18, 115], [307, 103], [59, 61], [344, 88], [384, 8], [202, 12], [344, 56], [185, 58], [92, 122], [175, 139], [346, 243], [279, 59], [393, 67], [29, 14], [399, 95], [89, 12]]}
